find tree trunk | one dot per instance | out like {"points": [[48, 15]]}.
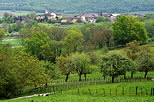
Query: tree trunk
{"points": [[80, 77], [85, 77], [100, 46], [46, 85], [145, 75], [132, 74], [66, 79], [125, 76], [112, 79]]}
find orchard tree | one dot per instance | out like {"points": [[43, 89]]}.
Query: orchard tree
{"points": [[65, 65], [81, 64], [145, 61], [127, 29], [115, 64], [132, 51]]}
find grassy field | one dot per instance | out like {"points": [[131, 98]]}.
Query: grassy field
{"points": [[85, 96], [17, 13], [12, 42]]}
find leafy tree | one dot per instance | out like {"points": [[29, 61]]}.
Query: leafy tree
{"points": [[57, 33], [8, 18], [115, 64], [127, 29], [73, 39], [30, 20], [30, 70], [102, 19], [149, 25], [102, 37], [38, 41], [2, 33], [132, 51], [81, 64], [65, 65], [9, 83], [51, 70], [145, 61]]}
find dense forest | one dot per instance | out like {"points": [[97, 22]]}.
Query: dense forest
{"points": [[78, 7]]}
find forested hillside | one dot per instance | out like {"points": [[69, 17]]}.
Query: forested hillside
{"points": [[78, 6]]}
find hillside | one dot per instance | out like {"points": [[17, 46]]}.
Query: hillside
{"points": [[78, 6]]}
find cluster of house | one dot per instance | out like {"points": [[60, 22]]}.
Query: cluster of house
{"points": [[86, 18]]}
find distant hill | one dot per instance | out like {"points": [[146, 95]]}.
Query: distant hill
{"points": [[78, 6]]}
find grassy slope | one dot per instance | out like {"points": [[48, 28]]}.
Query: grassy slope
{"points": [[68, 97], [13, 42]]}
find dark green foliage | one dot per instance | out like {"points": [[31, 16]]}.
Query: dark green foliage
{"points": [[78, 7], [127, 29], [9, 82]]}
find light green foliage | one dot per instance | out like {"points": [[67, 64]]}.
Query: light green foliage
{"points": [[38, 41], [81, 64], [115, 64], [133, 49], [30, 70], [65, 66], [145, 61], [2, 33], [127, 29], [73, 39]]}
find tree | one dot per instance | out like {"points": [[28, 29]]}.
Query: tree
{"points": [[132, 51], [30, 70], [2, 33], [102, 37], [73, 39], [149, 25], [102, 19], [9, 82], [37, 45], [65, 66], [145, 61], [81, 64], [115, 64], [127, 29]]}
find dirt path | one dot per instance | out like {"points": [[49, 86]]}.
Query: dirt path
{"points": [[35, 95]]}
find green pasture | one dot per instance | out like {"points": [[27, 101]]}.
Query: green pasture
{"points": [[97, 94], [116, 89], [14, 42]]}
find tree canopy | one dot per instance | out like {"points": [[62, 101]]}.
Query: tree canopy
{"points": [[127, 29]]}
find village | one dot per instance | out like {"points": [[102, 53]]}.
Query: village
{"points": [[85, 18]]}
